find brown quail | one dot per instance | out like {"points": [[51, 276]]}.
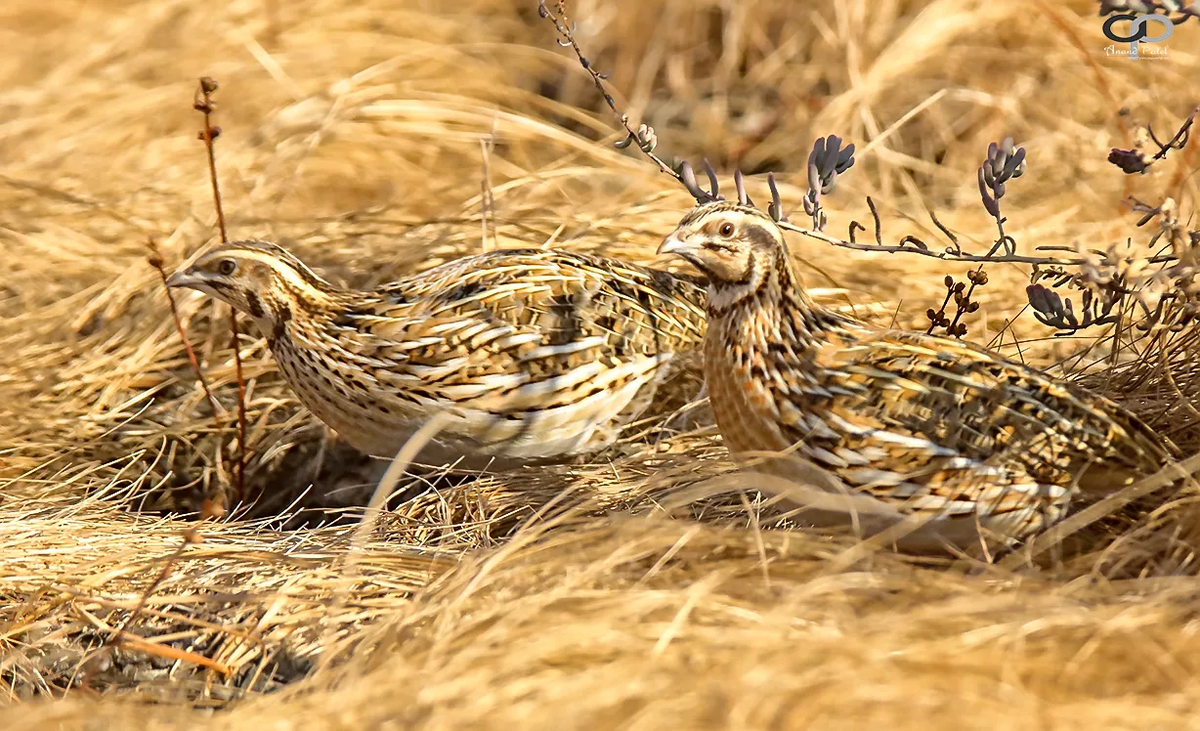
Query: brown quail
{"points": [[928, 425], [535, 354]]}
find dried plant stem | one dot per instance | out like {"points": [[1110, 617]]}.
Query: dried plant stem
{"points": [[567, 40], [240, 465], [156, 261], [487, 197], [970, 291], [969, 258], [204, 104], [117, 638], [646, 141], [976, 277], [190, 536], [1186, 167], [1005, 162], [942, 310], [1177, 141], [173, 653]]}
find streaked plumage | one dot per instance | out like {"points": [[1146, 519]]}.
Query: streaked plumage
{"points": [[536, 354], [928, 425]]}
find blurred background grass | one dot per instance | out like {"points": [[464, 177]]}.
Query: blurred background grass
{"points": [[352, 132]]}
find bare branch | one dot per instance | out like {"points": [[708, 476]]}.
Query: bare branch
{"points": [[203, 103]]}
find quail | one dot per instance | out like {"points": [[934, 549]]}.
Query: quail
{"points": [[931, 426], [534, 354]]}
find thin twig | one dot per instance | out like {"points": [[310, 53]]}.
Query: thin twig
{"points": [[117, 638], [933, 322], [1176, 142], [948, 233], [944, 256], [567, 40], [204, 104], [487, 197], [156, 260], [1134, 160], [190, 536], [134, 642], [240, 466], [566, 32], [976, 277]]}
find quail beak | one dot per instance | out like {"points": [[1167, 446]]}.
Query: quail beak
{"points": [[675, 244], [681, 247], [182, 278]]}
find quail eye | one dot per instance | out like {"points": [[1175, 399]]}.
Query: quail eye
{"points": [[225, 267], [726, 230]]}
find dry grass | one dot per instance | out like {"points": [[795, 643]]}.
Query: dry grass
{"points": [[578, 596]]}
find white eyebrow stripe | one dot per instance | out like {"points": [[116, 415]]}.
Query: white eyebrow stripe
{"points": [[284, 269]]}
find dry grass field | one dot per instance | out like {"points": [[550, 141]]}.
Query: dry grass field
{"points": [[595, 595]]}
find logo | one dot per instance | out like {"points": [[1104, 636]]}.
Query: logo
{"points": [[1138, 33]]}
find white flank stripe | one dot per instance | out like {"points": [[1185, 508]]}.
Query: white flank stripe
{"points": [[548, 351], [513, 341], [438, 371]]}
